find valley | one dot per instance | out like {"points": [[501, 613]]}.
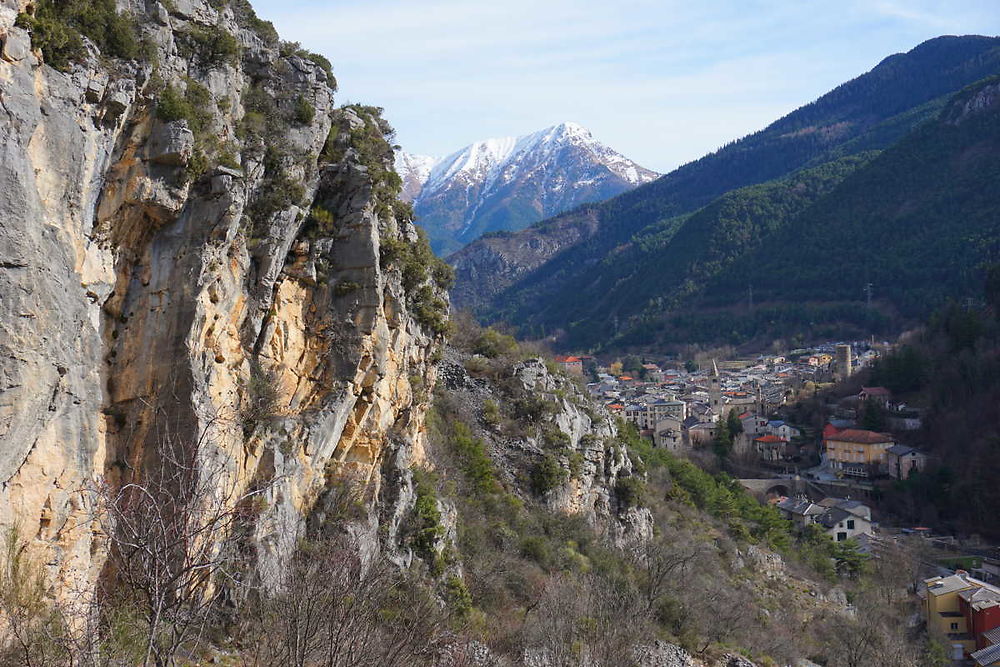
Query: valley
{"points": [[277, 392]]}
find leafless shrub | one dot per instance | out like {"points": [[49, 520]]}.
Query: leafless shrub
{"points": [[336, 611], [175, 533]]}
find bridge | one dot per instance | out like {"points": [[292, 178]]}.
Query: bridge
{"points": [[769, 489]]}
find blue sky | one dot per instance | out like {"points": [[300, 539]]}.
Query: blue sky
{"points": [[663, 82]]}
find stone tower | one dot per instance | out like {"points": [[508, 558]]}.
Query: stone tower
{"points": [[715, 390], [845, 363]]}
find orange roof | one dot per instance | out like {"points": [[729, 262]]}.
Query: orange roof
{"points": [[860, 436], [625, 377], [567, 360], [616, 406], [767, 439]]}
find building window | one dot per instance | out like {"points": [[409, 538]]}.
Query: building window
{"points": [[850, 524], [954, 626], [841, 537]]}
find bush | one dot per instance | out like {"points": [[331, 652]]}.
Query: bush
{"points": [[458, 596], [547, 475], [210, 46], [629, 492], [57, 29], [427, 530], [476, 463], [246, 17], [492, 344], [491, 413], [260, 398], [304, 111]]}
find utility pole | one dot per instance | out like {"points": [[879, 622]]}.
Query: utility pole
{"points": [[868, 294], [750, 296]]}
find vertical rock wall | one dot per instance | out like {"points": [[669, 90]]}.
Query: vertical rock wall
{"points": [[148, 298]]}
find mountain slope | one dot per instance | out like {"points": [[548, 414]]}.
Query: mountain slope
{"points": [[918, 222], [510, 183], [867, 113]]}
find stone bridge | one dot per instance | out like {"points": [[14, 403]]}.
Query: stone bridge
{"points": [[768, 489]]}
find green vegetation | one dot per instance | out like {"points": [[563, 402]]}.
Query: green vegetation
{"points": [[304, 111], [193, 106], [547, 475], [58, 26], [425, 278], [783, 210], [720, 496], [426, 531], [952, 368], [209, 46], [373, 144]]}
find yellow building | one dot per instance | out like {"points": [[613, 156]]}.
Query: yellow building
{"points": [[857, 452], [945, 619]]}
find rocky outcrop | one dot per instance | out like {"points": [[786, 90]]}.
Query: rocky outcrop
{"points": [[570, 430], [190, 261]]}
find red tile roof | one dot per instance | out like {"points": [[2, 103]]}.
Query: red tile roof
{"points": [[861, 436], [567, 360], [768, 439]]}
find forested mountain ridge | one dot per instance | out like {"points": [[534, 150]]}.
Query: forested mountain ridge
{"points": [[868, 113]]}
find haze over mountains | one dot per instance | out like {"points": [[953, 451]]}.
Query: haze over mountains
{"points": [[509, 183], [846, 191]]}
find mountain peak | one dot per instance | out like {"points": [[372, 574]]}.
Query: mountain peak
{"points": [[508, 183]]}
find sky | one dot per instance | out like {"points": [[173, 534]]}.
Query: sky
{"points": [[660, 81]]}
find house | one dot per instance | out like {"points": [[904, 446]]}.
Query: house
{"points": [[981, 608], [879, 395], [904, 418], [945, 620], [845, 519], [701, 433], [752, 424], [902, 460], [572, 365], [959, 619], [857, 452], [841, 518], [664, 407], [669, 434], [800, 511], [770, 447], [782, 430]]}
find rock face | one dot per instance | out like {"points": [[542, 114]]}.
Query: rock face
{"points": [[246, 314], [579, 437]]}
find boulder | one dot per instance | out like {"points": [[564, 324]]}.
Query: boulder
{"points": [[171, 143], [16, 45]]}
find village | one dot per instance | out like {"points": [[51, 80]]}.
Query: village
{"points": [[828, 478]]}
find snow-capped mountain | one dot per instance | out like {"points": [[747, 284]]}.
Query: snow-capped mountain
{"points": [[509, 183]]}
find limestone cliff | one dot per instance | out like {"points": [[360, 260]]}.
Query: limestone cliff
{"points": [[191, 259]]}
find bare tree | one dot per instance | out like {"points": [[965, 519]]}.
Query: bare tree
{"points": [[175, 533], [337, 611]]}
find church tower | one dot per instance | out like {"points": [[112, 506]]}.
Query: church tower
{"points": [[715, 390]]}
